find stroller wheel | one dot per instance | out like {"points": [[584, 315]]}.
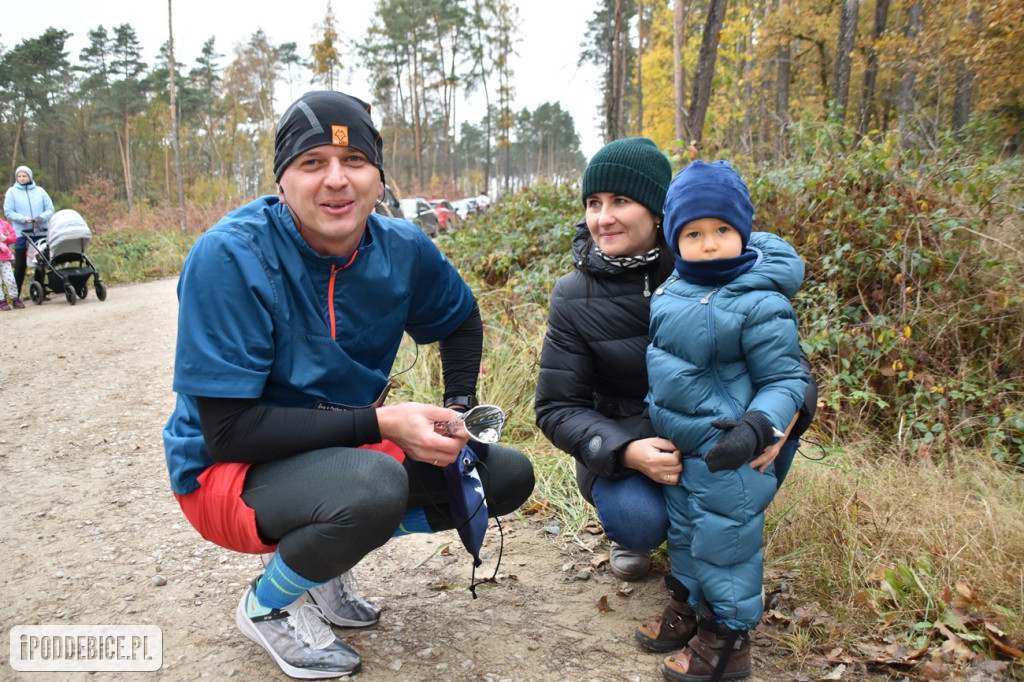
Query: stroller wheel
{"points": [[36, 293], [82, 291], [101, 290], [69, 293]]}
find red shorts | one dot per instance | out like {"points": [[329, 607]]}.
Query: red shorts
{"points": [[217, 511]]}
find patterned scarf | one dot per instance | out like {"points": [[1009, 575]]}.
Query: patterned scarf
{"points": [[630, 262]]}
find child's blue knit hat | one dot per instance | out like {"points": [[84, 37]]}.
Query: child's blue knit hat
{"points": [[707, 190]]}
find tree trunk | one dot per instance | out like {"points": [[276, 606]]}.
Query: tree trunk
{"points": [[17, 140], [640, 69], [867, 96], [679, 75], [124, 147], [844, 52], [417, 123], [905, 100], [613, 116], [750, 114], [783, 67], [706, 69], [487, 141], [174, 122], [965, 77]]}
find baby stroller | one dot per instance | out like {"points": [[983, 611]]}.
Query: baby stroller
{"points": [[61, 265]]}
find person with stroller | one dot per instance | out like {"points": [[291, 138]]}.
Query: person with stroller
{"points": [[28, 207], [292, 310], [7, 240], [726, 378]]}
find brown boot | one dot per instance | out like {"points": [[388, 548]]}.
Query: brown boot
{"points": [[677, 625], [715, 654]]}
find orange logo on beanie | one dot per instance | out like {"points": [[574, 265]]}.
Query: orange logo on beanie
{"points": [[339, 136]]}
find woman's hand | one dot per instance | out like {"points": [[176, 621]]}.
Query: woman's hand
{"points": [[411, 427], [762, 461], [656, 458]]}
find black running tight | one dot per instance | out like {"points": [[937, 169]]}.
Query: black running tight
{"points": [[327, 509]]}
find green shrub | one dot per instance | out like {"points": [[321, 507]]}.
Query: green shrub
{"points": [[911, 307], [522, 245]]}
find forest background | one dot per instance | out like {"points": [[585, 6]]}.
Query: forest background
{"points": [[883, 139]]}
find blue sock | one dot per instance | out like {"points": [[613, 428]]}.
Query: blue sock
{"points": [[280, 585], [414, 521]]}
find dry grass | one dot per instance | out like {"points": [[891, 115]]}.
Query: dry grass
{"points": [[888, 543]]}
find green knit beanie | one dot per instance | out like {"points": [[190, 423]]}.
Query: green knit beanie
{"points": [[633, 167]]}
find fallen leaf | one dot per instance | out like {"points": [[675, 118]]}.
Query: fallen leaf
{"points": [[536, 507], [602, 605], [600, 560], [893, 653], [956, 652], [1000, 644], [934, 670], [624, 590], [964, 590], [836, 674], [837, 656]]}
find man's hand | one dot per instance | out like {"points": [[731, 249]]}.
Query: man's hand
{"points": [[656, 458], [742, 441], [411, 427]]}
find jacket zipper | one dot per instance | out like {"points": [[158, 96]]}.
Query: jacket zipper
{"points": [[335, 269], [713, 342]]}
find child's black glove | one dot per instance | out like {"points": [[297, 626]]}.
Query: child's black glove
{"points": [[742, 441]]}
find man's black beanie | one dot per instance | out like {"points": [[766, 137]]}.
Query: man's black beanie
{"points": [[326, 117]]}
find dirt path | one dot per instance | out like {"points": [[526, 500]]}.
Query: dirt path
{"points": [[90, 524]]}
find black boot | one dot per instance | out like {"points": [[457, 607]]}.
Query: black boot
{"points": [[677, 625]]}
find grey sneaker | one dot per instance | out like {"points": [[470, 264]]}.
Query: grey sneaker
{"points": [[299, 640], [338, 601], [628, 565]]}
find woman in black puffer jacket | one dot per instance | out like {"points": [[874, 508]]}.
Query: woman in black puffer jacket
{"points": [[593, 376]]}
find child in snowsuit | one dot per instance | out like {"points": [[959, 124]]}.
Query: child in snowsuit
{"points": [[725, 383]]}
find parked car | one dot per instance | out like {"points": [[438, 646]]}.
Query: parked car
{"points": [[447, 218], [418, 211], [466, 207], [389, 204]]}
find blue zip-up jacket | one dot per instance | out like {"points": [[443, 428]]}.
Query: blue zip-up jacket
{"points": [[27, 201], [264, 316], [717, 352]]}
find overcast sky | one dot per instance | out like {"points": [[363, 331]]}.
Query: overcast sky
{"points": [[545, 70]]}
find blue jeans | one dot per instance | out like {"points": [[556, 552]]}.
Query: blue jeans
{"points": [[784, 460], [632, 511]]}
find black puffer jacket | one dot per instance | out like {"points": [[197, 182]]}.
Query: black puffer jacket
{"points": [[593, 371]]}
